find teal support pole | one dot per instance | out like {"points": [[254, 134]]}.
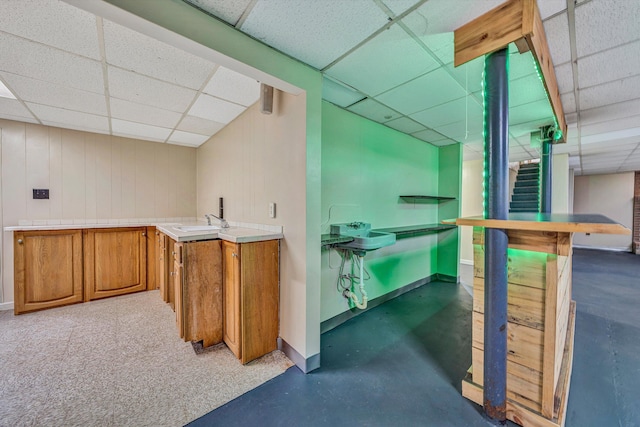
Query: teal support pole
{"points": [[545, 175]]}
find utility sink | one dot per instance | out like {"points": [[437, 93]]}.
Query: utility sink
{"points": [[363, 238], [192, 228]]}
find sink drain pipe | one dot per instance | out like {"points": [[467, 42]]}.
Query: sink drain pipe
{"points": [[352, 295]]}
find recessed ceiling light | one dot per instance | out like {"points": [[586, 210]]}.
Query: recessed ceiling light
{"points": [[5, 92]]}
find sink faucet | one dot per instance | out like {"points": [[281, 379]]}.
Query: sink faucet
{"points": [[223, 222]]}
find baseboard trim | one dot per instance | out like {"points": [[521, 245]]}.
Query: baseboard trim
{"points": [[603, 248], [6, 306], [339, 319], [305, 365]]}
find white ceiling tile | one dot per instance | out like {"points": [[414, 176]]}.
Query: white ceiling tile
{"points": [[526, 90], [29, 119], [617, 124], [52, 94], [13, 107], [137, 52], [139, 130], [610, 93], [568, 102], [628, 144], [313, 32], [521, 65], [338, 93], [469, 75], [461, 130], [630, 134], [5, 92], [210, 108], [434, 88], [126, 110], [539, 110], [234, 87], [374, 110], [450, 112], [399, 6], [227, 10], [601, 25], [611, 112], [470, 154], [612, 64], [551, 7], [39, 21], [564, 77], [445, 16], [444, 142], [429, 135], [41, 62], [405, 124], [441, 45], [384, 62], [194, 124], [557, 32], [68, 118], [140, 89], [188, 138]]}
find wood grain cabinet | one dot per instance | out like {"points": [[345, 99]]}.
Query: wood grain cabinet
{"points": [[115, 261], [251, 298], [165, 268], [48, 269], [197, 279]]}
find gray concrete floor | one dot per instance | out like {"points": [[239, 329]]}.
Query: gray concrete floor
{"points": [[401, 363]]}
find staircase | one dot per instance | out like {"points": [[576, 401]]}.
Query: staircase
{"points": [[526, 193]]}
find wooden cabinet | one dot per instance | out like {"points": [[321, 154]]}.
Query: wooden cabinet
{"points": [[48, 269], [165, 268], [198, 291], [251, 298], [115, 261], [152, 281]]}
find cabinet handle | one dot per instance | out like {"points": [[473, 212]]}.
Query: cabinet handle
{"points": [[157, 233], [144, 234], [173, 252], [19, 241], [173, 273], [234, 254]]}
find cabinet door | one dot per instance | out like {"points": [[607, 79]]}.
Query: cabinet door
{"points": [[170, 254], [161, 268], [48, 269], [231, 296], [259, 299], [178, 280], [152, 278], [115, 262]]}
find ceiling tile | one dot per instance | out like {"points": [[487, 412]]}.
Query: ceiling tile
{"points": [[470, 154], [137, 52], [210, 108], [469, 75], [450, 112], [139, 130], [384, 62], [539, 110], [374, 110], [187, 138], [13, 107], [70, 119], [39, 21], [564, 77], [227, 10], [234, 87], [617, 124], [628, 135], [313, 32], [568, 102], [444, 16], [611, 112], [526, 90], [194, 124], [5, 116], [52, 94], [339, 94], [551, 7], [610, 93], [140, 89], [126, 110], [524, 129], [440, 43], [461, 130], [405, 125], [41, 62], [521, 64], [601, 25], [399, 6], [434, 88], [612, 64], [557, 32], [444, 142], [429, 135], [627, 144]]}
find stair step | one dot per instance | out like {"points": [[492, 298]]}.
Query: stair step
{"points": [[528, 175], [525, 197], [531, 205], [522, 210], [520, 190], [527, 183], [530, 166]]}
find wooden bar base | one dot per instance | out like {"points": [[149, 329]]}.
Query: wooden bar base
{"points": [[520, 414]]}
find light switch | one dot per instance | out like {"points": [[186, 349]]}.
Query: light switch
{"points": [[272, 210]]}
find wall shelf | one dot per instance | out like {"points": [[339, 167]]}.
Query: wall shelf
{"points": [[421, 198], [416, 230]]}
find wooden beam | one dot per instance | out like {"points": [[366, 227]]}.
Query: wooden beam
{"points": [[519, 22]]}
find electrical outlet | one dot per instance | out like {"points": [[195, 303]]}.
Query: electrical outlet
{"points": [[40, 193], [272, 210]]}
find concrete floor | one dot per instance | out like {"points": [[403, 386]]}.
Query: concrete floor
{"points": [[401, 363]]}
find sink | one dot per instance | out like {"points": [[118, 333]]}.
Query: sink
{"points": [[363, 238], [192, 228]]}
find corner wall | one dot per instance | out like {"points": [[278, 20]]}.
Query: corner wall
{"points": [[365, 168]]}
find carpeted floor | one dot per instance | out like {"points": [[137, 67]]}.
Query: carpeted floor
{"points": [[115, 362]]}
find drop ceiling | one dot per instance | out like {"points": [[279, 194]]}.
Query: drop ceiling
{"points": [[388, 60]]}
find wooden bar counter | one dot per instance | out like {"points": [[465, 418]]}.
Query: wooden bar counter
{"points": [[541, 313]]}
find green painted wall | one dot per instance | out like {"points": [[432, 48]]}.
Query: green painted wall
{"points": [[365, 168], [449, 184]]}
